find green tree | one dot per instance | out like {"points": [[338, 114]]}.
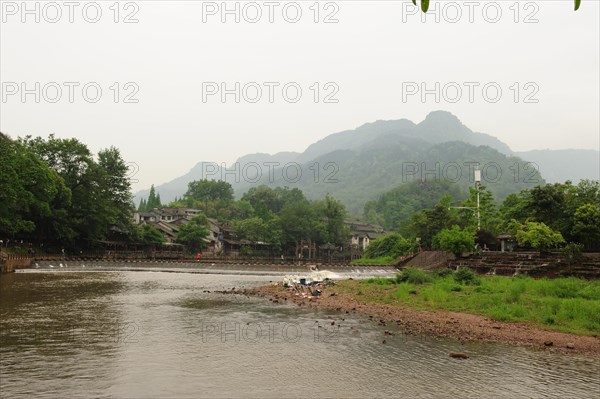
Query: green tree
{"points": [[116, 189], [393, 245], [209, 190], [87, 218], [393, 208], [142, 207], [29, 191], [455, 240], [193, 233], [300, 222], [489, 214], [153, 200], [515, 206], [256, 229], [539, 236], [333, 213], [426, 224], [586, 225], [151, 235]]}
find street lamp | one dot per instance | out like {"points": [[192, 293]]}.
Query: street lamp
{"points": [[476, 209], [477, 184]]}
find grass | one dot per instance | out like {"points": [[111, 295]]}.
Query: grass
{"points": [[564, 304], [382, 260]]}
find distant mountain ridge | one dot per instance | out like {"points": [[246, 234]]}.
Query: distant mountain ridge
{"points": [[438, 127], [561, 165], [374, 152]]}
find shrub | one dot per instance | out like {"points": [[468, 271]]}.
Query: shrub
{"points": [[466, 276], [392, 245], [414, 276], [443, 272], [539, 236], [573, 252], [455, 240]]}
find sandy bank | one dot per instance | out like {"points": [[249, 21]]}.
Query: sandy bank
{"points": [[460, 326]]}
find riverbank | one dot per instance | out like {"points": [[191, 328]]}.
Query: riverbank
{"points": [[368, 298]]}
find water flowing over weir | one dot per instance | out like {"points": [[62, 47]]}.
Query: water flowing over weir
{"points": [[154, 334], [273, 270]]}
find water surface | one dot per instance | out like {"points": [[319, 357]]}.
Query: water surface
{"points": [[169, 335]]}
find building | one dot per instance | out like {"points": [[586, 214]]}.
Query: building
{"points": [[166, 220], [165, 215], [362, 233]]}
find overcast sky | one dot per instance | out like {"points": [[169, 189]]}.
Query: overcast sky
{"points": [[371, 64]]}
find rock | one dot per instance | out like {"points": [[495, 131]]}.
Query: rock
{"points": [[459, 355], [570, 345], [548, 343]]}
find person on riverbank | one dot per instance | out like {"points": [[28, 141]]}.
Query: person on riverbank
{"points": [[198, 256]]}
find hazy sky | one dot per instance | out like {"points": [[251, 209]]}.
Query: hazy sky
{"points": [[374, 61]]}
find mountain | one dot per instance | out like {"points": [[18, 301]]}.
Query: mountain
{"points": [[561, 165], [438, 126], [360, 164], [359, 175], [260, 158]]}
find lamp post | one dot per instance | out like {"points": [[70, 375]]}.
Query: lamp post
{"points": [[476, 209], [477, 184]]}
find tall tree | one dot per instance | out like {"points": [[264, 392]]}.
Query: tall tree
{"points": [[116, 188], [192, 234]]}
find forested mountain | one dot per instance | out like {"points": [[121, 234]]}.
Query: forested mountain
{"points": [[357, 176], [359, 165]]}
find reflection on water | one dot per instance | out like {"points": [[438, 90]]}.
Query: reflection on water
{"points": [[135, 334]]}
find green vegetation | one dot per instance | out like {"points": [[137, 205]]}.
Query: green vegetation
{"points": [[192, 234], [414, 276], [54, 191], [152, 202], [455, 240], [385, 250], [278, 216], [563, 304], [392, 245], [538, 236], [542, 218], [382, 260]]}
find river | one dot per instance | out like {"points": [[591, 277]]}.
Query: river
{"points": [[170, 335]]}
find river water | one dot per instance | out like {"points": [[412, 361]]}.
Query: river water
{"points": [[163, 335]]}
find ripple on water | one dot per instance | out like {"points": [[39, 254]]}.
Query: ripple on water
{"points": [[163, 335]]}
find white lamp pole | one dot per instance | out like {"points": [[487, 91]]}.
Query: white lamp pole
{"points": [[477, 184]]}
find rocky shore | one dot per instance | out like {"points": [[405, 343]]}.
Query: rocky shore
{"points": [[460, 326]]}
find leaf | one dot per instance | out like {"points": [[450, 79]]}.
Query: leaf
{"points": [[577, 4], [425, 5], [414, 2]]}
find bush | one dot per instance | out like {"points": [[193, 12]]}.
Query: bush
{"points": [[393, 245], [414, 276], [573, 252], [539, 236], [455, 240], [443, 272], [466, 276]]}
